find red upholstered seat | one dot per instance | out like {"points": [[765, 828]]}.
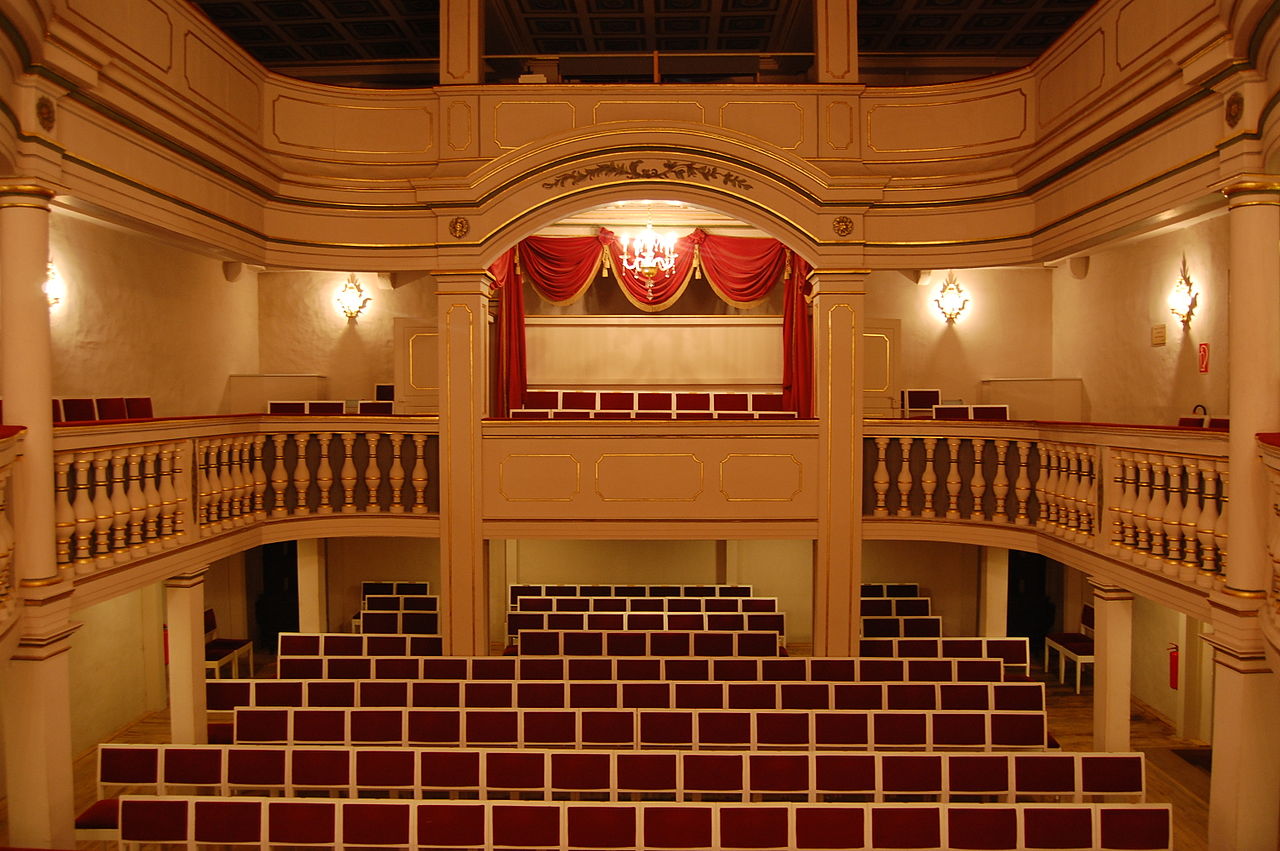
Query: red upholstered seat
{"points": [[264, 726], [677, 828], [778, 772], [382, 823], [580, 772], [648, 772], [721, 727], [783, 729], [958, 729], [110, 408], [515, 771], [434, 727], [601, 827], [154, 820], [1135, 828], [1111, 773], [525, 826], [914, 774], [191, 767], [646, 695], [385, 769], [755, 826], [450, 770], [844, 773], [138, 407], [1045, 774], [257, 768], [665, 729], [826, 827], [986, 827], [906, 827], [320, 768], [118, 765], [78, 410], [604, 728], [100, 815], [451, 825], [228, 821], [1060, 827]]}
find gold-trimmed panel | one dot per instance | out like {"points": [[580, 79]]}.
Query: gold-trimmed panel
{"points": [[221, 84], [649, 477], [841, 125], [661, 112], [539, 477], [460, 120], [413, 375], [142, 26], [351, 129], [778, 122], [964, 122], [1072, 79], [516, 123], [761, 477]]}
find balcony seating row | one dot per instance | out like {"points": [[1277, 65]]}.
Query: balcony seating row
{"points": [[689, 826], [88, 409], [392, 586], [631, 669], [901, 626], [644, 728], [546, 642], [645, 604], [650, 404], [581, 694], [516, 591], [290, 769], [345, 644], [330, 407], [647, 621]]}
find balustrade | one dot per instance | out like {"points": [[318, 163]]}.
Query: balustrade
{"points": [[9, 442], [1163, 511], [117, 503]]}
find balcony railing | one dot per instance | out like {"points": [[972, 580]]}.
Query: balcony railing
{"points": [[10, 450], [1269, 450], [1152, 497], [130, 491]]}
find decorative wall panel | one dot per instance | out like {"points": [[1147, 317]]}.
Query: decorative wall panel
{"points": [[517, 123], [662, 112], [149, 32], [781, 123], [222, 84], [1079, 74], [643, 473], [346, 129], [945, 125], [840, 125]]}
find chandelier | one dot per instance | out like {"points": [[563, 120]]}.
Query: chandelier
{"points": [[649, 254], [952, 300]]}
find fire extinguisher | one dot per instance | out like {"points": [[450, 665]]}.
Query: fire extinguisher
{"points": [[1173, 666]]}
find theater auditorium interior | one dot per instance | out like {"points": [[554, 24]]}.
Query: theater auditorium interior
{"points": [[640, 424]]}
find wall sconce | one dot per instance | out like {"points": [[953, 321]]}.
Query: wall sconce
{"points": [[952, 300], [55, 289], [351, 298], [1183, 298]]}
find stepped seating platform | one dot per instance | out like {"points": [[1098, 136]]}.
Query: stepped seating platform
{"points": [[644, 728], [1012, 650], [653, 694], [517, 591], [647, 621], [626, 668], [645, 604], [267, 822], [482, 773], [586, 642]]}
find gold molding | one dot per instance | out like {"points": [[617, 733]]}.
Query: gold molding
{"points": [[42, 582], [1248, 595], [577, 477], [799, 477], [689, 455], [1245, 186]]}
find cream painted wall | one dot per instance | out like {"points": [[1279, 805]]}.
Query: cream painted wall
{"points": [[302, 330], [352, 560], [117, 669], [949, 573], [143, 318], [1004, 333], [1102, 327], [782, 569], [1155, 627]]}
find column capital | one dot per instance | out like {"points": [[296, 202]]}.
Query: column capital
{"points": [[187, 579], [838, 281], [25, 195], [1105, 591], [463, 282], [1250, 191]]}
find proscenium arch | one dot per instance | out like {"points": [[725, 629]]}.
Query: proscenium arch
{"points": [[531, 221]]}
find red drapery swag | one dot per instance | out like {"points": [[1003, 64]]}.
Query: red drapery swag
{"points": [[741, 270]]}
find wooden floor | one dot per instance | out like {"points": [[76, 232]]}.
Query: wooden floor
{"points": [[1170, 777]]}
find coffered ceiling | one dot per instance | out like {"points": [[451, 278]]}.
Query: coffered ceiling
{"points": [[395, 42]]}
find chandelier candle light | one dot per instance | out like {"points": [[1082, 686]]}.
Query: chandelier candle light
{"points": [[1183, 298], [650, 253]]}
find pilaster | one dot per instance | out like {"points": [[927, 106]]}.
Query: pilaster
{"points": [[837, 390], [463, 311], [313, 601], [836, 39], [1113, 666], [993, 600], [184, 611], [461, 42]]}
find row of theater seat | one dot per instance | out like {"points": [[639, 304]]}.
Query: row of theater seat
{"points": [[89, 409]]}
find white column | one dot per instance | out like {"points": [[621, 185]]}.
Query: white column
{"points": [[1244, 787], [462, 300], [836, 42], [837, 395], [461, 42], [184, 607], [25, 350], [313, 598], [993, 613], [1113, 668], [1253, 375]]}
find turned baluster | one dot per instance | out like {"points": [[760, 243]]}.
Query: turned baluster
{"points": [[168, 496], [1068, 484], [978, 484], [904, 478], [1223, 528], [120, 504], [1155, 508], [246, 476], [419, 474], [324, 474], [1053, 514], [1122, 512], [396, 474], [258, 475], [880, 478], [348, 475], [7, 539], [1000, 486], [372, 474], [215, 484], [64, 517], [1190, 519], [1043, 451], [180, 458], [953, 478], [151, 491], [1142, 535], [1207, 524], [84, 513], [204, 496], [1022, 485], [1173, 508], [1084, 498], [137, 499], [279, 478], [302, 474], [235, 471], [929, 477], [103, 512]]}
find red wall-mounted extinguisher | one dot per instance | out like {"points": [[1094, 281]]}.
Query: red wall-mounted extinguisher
{"points": [[1173, 666]]}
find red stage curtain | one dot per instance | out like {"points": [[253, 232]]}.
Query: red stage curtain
{"points": [[742, 270], [512, 375], [797, 341], [561, 268]]}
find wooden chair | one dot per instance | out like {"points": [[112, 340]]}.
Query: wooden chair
{"points": [[1076, 646], [222, 651]]}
